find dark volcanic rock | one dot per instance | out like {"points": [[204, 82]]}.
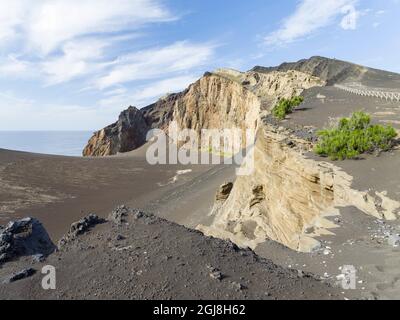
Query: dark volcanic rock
{"points": [[26, 273], [160, 114], [122, 214], [158, 260], [127, 134], [79, 228], [24, 237]]}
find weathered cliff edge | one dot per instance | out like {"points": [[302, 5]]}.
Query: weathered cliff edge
{"points": [[289, 197], [221, 100]]}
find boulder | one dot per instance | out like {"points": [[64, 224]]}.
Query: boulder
{"points": [[25, 237], [26, 273]]}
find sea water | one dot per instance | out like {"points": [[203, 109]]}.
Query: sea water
{"points": [[65, 143]]}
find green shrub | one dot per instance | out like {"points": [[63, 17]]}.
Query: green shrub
{"points": [[286, 106], [354, 136]]}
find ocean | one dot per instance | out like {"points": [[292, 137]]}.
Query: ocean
{"points": [[65, 143]]}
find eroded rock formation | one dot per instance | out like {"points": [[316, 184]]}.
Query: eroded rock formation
{"points": [[289, 197], [221, 100], [127, 134]]}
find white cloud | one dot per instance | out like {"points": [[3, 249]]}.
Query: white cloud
{"points": [[62, 40], [147, 94], [78, 58], [58, 41], [47, 24], [11, 66], [156, 62], [11, 16], [312, 15], [349, 21]]}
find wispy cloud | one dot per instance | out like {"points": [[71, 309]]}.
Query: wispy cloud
{"points": [[156, 62], [55, 42], [60, 40], [12, 66], [78, 58], [312, 15], [146, 94], [47, 24]]}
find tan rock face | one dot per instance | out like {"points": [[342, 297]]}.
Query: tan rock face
{"points": [[213, 102], [216, 103], [273, 85], [289, 197], [222, 100]]}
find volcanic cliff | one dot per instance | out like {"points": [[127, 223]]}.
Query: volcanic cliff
{"points": [[290, 196]]}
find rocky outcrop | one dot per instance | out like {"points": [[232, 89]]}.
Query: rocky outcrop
{"points": [[215, 102], [148, 258], [220, 100], [273, 85], [330, 70], [26, 237], [334, 71], [79, 228], [122, 214], [224, 192], [127, 134], [289, 198], [160, 114]]}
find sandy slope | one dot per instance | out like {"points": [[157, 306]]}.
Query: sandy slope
{"points": [[61, 190], [149, 258]]}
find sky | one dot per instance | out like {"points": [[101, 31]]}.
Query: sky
{"points": [[76, 64]]}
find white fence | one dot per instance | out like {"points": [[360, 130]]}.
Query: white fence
{"points": [[388, 96]]}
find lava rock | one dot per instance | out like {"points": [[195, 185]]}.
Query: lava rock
{"points": [[25, 237], [122, 214], [79, 228], [26, 273]]}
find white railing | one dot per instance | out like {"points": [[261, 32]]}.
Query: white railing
{"points": [[366, 92]]}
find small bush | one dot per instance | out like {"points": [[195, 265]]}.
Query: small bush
{"points": [[286, 106], [354, 136]]}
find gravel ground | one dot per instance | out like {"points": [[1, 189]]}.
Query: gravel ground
{"points": [[145, 257]]}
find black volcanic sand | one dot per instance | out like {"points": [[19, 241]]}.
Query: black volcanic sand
{"points": [[324, 103], [61, 190], [360, 240], [370, 172], [150, 258]]}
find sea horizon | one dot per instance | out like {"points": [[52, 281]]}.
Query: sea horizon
{"points": [[52, 142]]}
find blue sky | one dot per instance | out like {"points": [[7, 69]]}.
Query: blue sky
{"points": [[75, 64]]}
